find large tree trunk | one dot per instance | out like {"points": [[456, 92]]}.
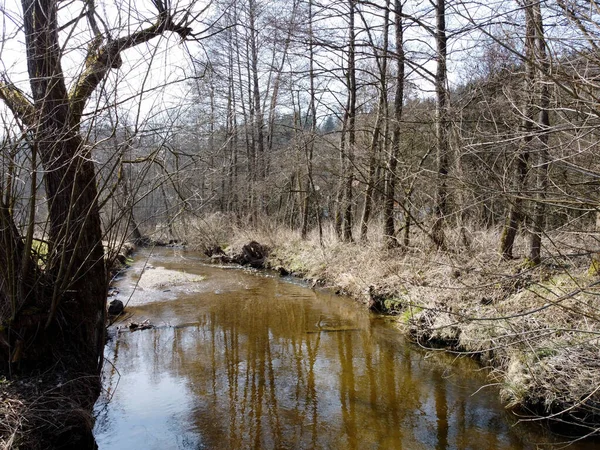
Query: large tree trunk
{"points": [[52, 312], [68, 294], [71, 292], [76, 254]]}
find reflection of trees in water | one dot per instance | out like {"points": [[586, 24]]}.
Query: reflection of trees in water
{"points": [[264, 373], [347, 387], [441, 412], [110, 382]]}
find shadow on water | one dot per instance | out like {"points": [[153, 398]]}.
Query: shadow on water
{"points": [[262, 363]]}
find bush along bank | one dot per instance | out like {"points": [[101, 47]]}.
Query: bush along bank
{"points": [[535, 328]]}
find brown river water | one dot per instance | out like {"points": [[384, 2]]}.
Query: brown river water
{"points": [[246, 360]]}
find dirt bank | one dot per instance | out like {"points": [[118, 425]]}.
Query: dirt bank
{"points": [[49, 410]]}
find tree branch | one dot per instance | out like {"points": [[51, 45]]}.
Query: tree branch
{"points": [[16, 101], [102, 58]]}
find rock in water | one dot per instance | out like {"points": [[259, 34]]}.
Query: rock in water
{"points": [[145, 325], [116, 307]]}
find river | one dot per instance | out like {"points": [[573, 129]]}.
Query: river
{"points": [[246, 360]]}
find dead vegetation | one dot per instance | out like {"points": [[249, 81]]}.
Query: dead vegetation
{"points": [[49, 410]]}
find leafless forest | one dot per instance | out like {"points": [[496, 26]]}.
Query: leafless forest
{"points": [[412, 126], [372, 118]]}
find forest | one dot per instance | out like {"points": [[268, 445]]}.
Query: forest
{"points": [[376, 118], [437, 160]]}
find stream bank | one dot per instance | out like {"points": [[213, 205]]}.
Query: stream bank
{"points": [[535, 328], [53, 408]]}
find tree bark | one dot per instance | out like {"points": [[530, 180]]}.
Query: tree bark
{"points": [[389, 229], [441, 127]]}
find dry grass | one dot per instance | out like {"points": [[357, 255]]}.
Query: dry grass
{"points": [[537, 328], [214, 230], [50, 410]]}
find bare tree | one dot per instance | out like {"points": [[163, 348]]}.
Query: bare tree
{"points": [[441, 125], [542, 159], [347, 152], [381, 120], [522, 157], [392, 163]]}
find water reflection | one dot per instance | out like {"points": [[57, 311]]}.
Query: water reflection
{"points": [[272, 365]]}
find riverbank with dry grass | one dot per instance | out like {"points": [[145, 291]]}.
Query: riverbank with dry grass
{"points": [[537, 329], [48, 410]]}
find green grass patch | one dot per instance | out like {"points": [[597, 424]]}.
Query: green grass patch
{"points": [[594, 269], [545, 352], [393, 305], [409, 313]]}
